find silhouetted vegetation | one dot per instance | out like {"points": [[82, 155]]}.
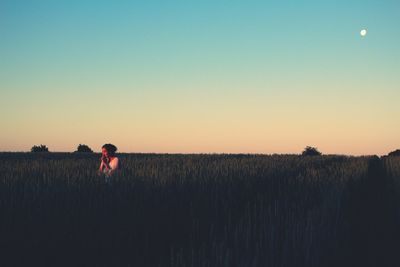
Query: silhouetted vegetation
{"points": [[84, 149], [199, 210], [39, 148], [311, 151], [394, 153]]}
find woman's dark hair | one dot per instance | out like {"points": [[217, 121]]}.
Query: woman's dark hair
{"points": [[110, 148]]}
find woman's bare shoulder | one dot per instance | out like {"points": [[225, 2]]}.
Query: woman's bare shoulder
{"points": [[115, 161]]}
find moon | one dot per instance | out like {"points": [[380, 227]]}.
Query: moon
{"points": [[363, 32]]}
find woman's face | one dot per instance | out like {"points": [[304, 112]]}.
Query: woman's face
{"points": [[104, 152]]}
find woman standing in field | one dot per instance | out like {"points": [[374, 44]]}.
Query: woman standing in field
{"points": [[109, 161]]}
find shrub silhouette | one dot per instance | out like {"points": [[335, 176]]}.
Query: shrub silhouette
{"points": [[394, 153], [311, 151], [84, 148], [40, 148]]}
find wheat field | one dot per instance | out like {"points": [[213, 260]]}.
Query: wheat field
{"points": [[199, 210]]}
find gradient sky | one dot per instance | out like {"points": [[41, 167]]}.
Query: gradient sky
{"points": [[200, 76]]}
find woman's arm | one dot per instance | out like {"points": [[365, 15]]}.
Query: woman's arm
{"points": [[114, 166], [105, 163]]}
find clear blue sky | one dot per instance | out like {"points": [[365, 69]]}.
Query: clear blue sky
{"points": [[201, 76]]}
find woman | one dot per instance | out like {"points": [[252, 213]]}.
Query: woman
{"points": [[109, 161]]}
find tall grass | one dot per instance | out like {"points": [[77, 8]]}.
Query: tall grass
{"points": [[176, 210], [392, 167]]}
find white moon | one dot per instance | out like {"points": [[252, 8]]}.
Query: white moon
{"points": [[363, 32]]}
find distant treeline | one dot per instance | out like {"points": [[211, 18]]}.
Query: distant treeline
{"points": [[308, 151]]}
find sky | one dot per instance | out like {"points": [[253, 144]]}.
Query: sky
{"points": [[210, 76]]}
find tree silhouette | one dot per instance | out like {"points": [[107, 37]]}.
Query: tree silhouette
{"points": [[84, 148], [311, 151], [394, 153], [40, 148]]}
